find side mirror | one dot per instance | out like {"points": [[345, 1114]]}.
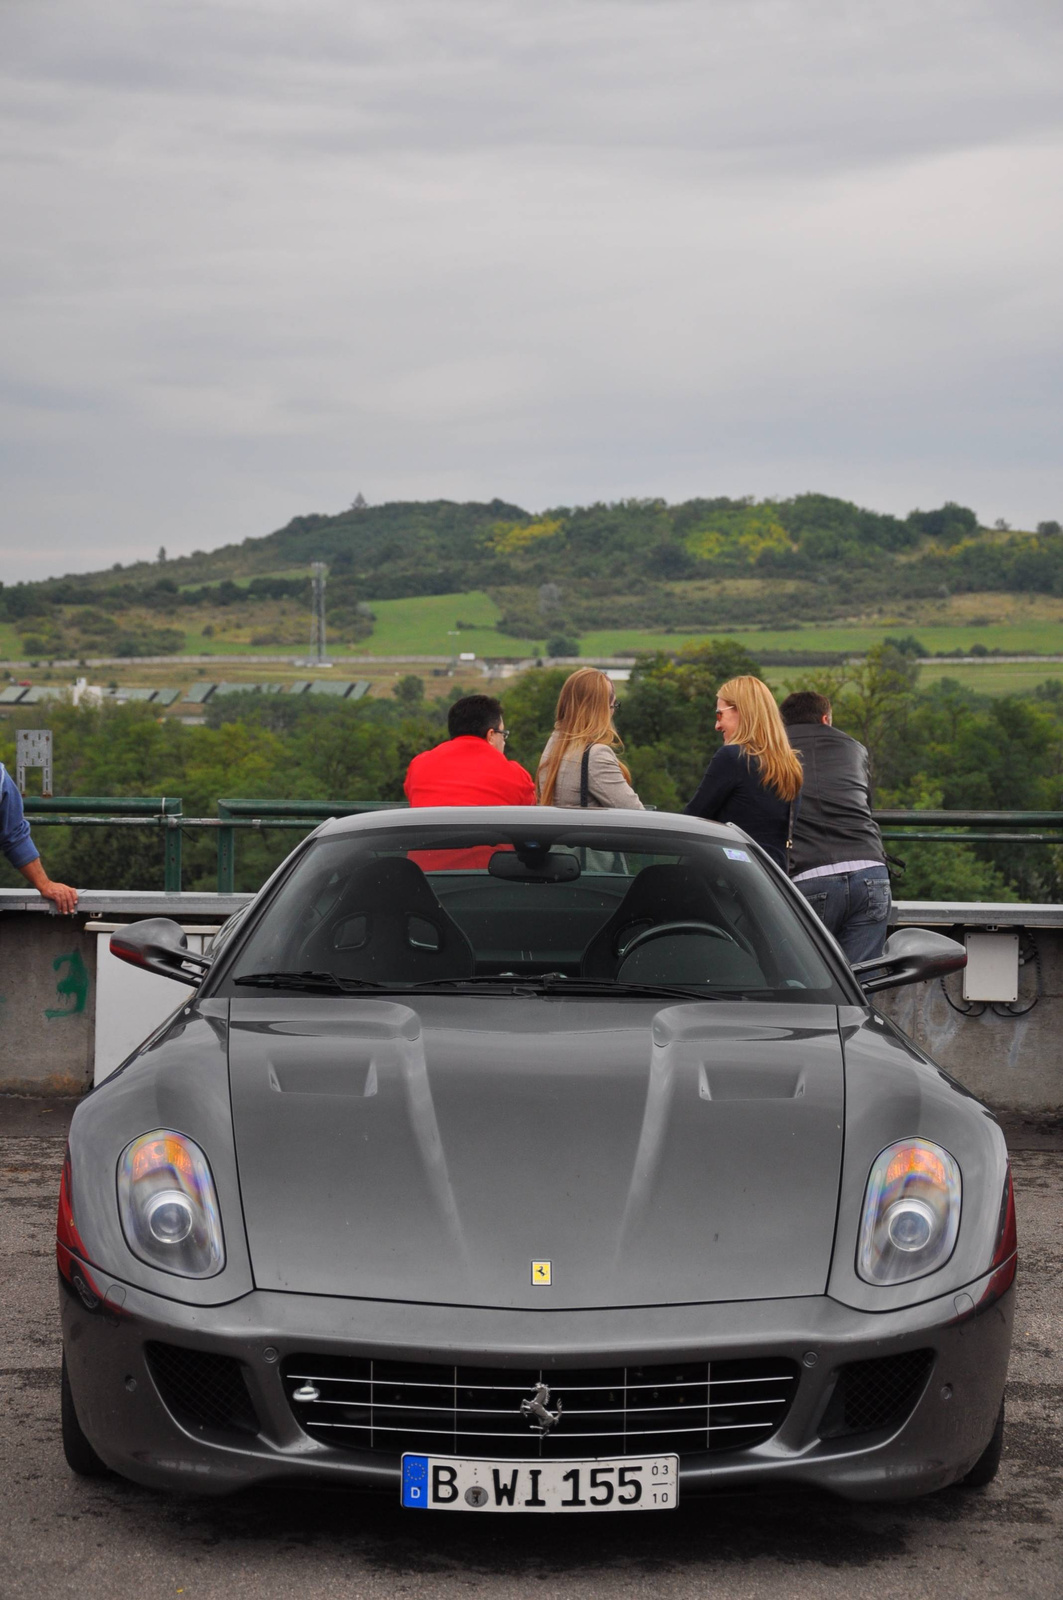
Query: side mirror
{"points": [[911, 955], [159, 945]]}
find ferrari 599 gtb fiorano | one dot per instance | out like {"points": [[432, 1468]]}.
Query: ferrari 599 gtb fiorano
{"points": [[524, 1160]]}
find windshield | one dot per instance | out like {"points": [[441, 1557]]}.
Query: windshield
{"points": [[444, 908]]}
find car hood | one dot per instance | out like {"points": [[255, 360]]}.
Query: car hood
{"points": [[436, 1153]]}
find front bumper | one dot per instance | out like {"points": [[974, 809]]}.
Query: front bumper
{"points": [[107, 1325]]}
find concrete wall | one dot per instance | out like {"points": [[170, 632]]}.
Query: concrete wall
{"points": [[47, 1004], [48, 995], [1014, 1063], [48, 980]]}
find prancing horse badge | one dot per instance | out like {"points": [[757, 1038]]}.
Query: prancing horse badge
{"points": [[541, 1274]]}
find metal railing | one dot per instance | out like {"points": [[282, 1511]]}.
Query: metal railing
{"points": [[166, 813], [303, 814], [118, 811], [978, 827]]}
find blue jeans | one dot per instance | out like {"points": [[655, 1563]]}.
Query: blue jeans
{"points": [[855, 906]]}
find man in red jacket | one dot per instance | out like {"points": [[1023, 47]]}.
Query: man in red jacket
{"points": [[470, 768]]}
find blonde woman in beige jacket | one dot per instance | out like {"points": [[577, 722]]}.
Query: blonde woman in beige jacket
{"points": [[584, 728]]}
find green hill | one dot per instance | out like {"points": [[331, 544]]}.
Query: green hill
{"points": [[640, 565]]}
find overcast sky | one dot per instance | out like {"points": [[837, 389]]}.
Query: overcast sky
{"points": [[260, 255]]}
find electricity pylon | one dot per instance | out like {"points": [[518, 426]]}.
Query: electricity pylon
{"points": [[318, 572]]}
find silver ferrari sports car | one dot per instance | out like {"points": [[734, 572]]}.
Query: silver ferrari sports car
{"points": [[529, 1160]]}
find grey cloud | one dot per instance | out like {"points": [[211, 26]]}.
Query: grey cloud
{"points": [[261, 256]]}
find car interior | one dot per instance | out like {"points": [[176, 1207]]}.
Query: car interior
{"points": [[528, 909]]}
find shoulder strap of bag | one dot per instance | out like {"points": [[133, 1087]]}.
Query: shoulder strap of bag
{"points": [[585, 779], [790, 839]]}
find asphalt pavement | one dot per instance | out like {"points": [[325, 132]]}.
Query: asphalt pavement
{"points": [[63, 1536]]}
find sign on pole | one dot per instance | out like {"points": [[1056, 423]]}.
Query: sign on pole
{"points": [[33, 748]]}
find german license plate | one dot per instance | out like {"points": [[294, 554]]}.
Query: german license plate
{"points": [[454, 1483]]}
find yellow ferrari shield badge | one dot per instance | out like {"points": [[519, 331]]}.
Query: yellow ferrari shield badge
{"points": [[541, 1272]]}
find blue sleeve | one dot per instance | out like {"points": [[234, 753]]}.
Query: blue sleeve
{"points": [[15, 841], [720, 780]]}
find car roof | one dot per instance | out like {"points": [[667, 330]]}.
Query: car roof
{"points": [[599, 819]]}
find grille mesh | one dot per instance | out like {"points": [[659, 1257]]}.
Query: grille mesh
{"points": [[202, 1390], [875, 1394], [392, 1406]]}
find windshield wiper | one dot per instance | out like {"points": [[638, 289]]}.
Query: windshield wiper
{"points": [[311, 980], [508, 983], [511, 982], [558, 983]]}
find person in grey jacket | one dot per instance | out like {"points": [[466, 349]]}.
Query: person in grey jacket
{"points": [[579, 766], [838, 862]]}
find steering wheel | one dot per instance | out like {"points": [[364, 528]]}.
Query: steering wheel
{"points": [[659, 929]]}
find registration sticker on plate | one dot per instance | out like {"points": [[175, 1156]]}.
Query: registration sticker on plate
{"points": [[454, 1483]]}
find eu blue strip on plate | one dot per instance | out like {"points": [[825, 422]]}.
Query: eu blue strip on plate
{"points": [[415, 1481]]}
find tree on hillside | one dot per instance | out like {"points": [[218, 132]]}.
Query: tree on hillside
{"points": [[950, 524], [409, 691]]}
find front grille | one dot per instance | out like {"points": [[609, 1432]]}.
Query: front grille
{"points": [[682, 1408], [202, 1390], [881, 1393]]}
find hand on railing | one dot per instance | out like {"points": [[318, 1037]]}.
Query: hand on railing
{"points": [[61, 895]]}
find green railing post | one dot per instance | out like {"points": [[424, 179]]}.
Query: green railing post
{"points": [[226, 852], [171, 880]]}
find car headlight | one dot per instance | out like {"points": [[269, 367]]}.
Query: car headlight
{"points": [[168, 1205], [911, 1213]]}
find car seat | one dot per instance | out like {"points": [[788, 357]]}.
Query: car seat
{"points": [[388, 926]]}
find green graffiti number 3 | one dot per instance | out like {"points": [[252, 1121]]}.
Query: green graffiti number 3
{"points": [[73, 985]]}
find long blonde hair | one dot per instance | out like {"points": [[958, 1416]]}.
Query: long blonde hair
{"points": [[762, 736], [583, 717]]}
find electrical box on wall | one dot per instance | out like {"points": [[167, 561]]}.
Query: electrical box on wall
{"points": [[992, 970]]}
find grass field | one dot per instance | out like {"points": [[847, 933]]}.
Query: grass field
{"points": [[1045, 638], [10, 643], [1009, 677], [196, 645], [428, 626]]}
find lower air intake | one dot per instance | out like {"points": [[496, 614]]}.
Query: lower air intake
{"points": [[393, 1406], [202, 1390], [871, 1395]]}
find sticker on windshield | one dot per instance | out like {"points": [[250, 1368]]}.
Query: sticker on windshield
{"points": [[735, 855]]}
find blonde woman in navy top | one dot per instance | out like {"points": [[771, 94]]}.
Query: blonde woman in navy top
{"points": [[755, 780]]}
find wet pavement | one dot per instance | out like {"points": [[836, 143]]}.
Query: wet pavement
{"points": [[64, 1536]]}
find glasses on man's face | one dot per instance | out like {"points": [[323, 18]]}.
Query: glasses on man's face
{"points": [[503, 733]]}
